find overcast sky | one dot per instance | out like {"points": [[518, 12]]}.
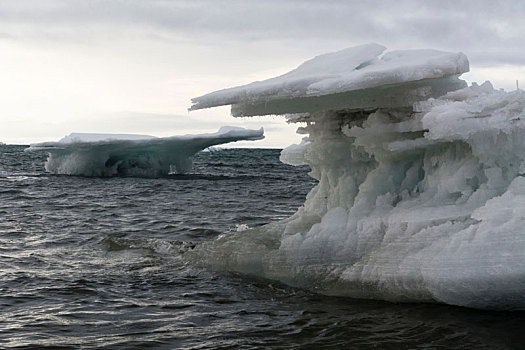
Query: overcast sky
{"points": [[132, 66]]}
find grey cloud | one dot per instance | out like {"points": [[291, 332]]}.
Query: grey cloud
{"points": [[451, 25], [4, 36]]}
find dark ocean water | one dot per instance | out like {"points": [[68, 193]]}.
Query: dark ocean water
{"points": [[96, 263]]}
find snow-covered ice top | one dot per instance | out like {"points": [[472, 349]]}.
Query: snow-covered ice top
{"points": [[349, 70], [78, 137], [133, 155], [225, 134]]}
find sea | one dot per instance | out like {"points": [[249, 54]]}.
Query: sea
{"points": [[98, 263]]}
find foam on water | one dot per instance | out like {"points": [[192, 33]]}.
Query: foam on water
{"points": [[418, 200]]}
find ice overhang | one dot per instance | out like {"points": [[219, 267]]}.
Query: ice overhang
{"points": [[360, 77]]}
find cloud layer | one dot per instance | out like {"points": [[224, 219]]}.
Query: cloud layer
{"points": [[64, 61], [488, 29]]}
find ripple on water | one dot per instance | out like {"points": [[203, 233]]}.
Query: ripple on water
{"points": [[96, 263]]}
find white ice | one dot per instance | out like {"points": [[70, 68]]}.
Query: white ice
{"points": [[345, 79], [424, 202], [133, 155]]}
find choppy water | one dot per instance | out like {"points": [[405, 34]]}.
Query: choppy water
{"points": [[95, 263]]}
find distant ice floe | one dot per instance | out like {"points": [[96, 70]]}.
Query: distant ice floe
{"points": [[133, 155], [421, 193]]}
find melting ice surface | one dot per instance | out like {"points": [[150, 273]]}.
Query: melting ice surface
{"points": [[421, 193], [133, 155]]}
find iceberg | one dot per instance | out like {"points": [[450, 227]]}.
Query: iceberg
{"points": [[421, 192], [87, 154]]}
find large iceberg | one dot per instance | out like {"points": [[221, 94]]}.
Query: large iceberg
{"points": [[133, 155], [421, 193]]}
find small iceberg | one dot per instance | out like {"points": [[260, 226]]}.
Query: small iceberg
{"points": [[87, 154]]}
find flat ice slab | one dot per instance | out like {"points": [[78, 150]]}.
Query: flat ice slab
{"points": [[133, 155], [346, 78]]}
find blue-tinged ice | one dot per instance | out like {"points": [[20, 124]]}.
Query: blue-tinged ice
{"points": [[421, 193], [133, 155]]}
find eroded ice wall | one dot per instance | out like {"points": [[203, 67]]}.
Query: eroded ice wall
{"points": [[423, 200]]}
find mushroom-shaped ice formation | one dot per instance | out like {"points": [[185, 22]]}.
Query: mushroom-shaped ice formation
{"points": [[421, 193], [133, 155]]}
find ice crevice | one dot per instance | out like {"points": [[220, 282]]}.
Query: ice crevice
{"points": [[420, 199]]}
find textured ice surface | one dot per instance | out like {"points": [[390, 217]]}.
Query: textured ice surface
{"points": [[417, 203], [133, 155], [356, 77]]}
